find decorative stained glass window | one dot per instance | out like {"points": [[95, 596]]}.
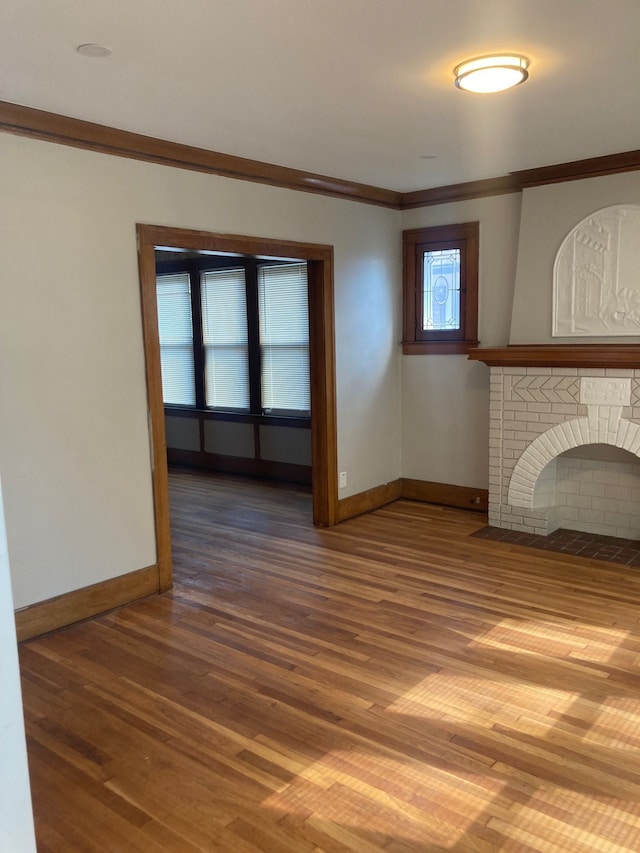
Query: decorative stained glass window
{"points": [[441, 290]]}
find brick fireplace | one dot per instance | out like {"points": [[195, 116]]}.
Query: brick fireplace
{"points": [[565, 438]]}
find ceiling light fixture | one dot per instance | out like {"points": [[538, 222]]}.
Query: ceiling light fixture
{"points": [[95, 51], [491, 73]]}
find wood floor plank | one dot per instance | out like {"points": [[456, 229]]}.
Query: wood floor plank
{"points": [[392, 684]]}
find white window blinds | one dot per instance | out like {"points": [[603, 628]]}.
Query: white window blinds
{"points": [[176, 339], [225, 339], [284, 338]]}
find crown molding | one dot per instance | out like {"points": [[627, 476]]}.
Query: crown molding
{"points": [[609, 164], [39, 124], [460, 192]]}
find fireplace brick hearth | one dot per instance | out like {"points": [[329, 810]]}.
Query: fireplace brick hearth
{"points": [[564, 444]]}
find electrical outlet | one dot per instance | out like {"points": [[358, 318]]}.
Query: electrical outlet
{"points": [[343, 480]]}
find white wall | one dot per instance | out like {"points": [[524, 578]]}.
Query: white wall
{"points": [[16, 820], [73, 429], [548, 215], [445, 398]]}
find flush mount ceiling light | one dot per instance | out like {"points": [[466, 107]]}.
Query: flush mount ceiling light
{"points": [[95, 51], [491, 73]]}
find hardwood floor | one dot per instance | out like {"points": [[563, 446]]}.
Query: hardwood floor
{"points": [[390, 684]]}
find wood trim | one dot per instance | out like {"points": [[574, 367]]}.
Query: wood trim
{"points": [[155, 408], [559, 355], [237, 417], [593, 167], [460, 192], [322, 362], [437, 347], [83, 603], [322, 366], [369, 500], [463, 497], [38, 124], [415, 242], [284, 471], [65, 130]]}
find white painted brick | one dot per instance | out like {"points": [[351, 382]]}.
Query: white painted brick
{"points": [[628, 532], [515, 445], [569, 487], [602, 503], [538, 407], [495, 442], [570, 513], [565, 371], [602, 529], [618, 371], [515, 371], [591, 516], [620, 493], [582, 502], [630, 507], [555, 441], [592, 489], [549, 418], [608, 478], [630, 467], [634, 446], [630, 478], [614, 419], [497, 370], [515, 406], [591, 371], [583, 526], [618, 519], [565, 409], [621, 433], [540, 371], [585, 431], [508, 415]]}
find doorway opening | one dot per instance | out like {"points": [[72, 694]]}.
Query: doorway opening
{"points": [[319, 260]]}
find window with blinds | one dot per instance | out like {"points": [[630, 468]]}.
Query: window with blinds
{"points": [[175, 327], [225, 338], [284, 338], [236, 339]]}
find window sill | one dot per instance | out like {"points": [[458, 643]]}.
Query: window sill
{"points": [[303, 422], [438, 347]]}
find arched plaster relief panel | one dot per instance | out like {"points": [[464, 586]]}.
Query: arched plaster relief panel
{"points": [[557, 440], [596, 275]]}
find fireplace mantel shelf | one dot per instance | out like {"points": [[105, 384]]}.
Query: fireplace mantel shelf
{"points": [[559, 355]]}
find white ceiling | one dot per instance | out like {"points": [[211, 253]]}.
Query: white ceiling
{"points": [[356, 89]]}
